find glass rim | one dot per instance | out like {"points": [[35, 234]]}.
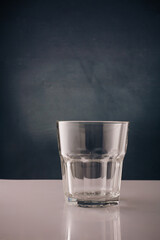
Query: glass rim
{"points": [[105, 122]]}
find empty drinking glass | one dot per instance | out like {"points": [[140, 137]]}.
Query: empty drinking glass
{"points": [[92, 154]]}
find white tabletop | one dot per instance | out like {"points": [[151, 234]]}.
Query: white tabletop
{"points": [[35, 209]]}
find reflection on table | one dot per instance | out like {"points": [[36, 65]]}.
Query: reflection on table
{"points": [[85, 223]]}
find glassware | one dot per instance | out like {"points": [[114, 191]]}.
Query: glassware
{"points": [[92, 154]]}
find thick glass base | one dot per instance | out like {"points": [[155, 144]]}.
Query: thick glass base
{"points": [[91, 203]]}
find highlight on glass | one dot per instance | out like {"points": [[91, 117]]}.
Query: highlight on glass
{"points": [[92, 154]]}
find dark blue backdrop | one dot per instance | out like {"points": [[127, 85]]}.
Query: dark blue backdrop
{"points": [[78, 60]]}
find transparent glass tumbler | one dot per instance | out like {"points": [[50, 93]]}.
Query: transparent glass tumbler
{"points": [[92, 154]]}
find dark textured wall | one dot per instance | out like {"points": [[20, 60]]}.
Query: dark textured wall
{"points": [[78, 60]]}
